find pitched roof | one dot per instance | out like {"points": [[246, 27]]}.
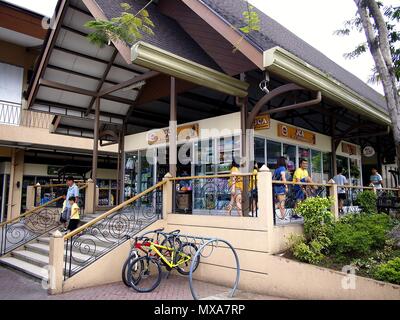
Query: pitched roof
{"points": [[274, 34], [169, 35]]}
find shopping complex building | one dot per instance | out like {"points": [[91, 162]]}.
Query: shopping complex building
{"points": [[183, 102]]}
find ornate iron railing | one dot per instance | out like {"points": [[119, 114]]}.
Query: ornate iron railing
{"points": [[12, 114], [93, 240], [233, 194], [32, 224], [286, 196]]}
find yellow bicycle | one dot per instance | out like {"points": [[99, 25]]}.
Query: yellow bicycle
{"points": [[144, 273]]}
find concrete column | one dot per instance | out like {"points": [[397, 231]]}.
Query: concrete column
{"points": [[16, 179], [56, 263], [173, 156], [90, 195], [30, 197], [333, 191], [95, 145], [266, 201], [167, 196]]}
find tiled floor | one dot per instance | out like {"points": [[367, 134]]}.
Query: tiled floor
{"points": [[17, 286]]}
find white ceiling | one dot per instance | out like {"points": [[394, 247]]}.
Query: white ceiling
{"points": [[20, 39]]}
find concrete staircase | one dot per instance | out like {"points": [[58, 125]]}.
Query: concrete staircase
{"points": [[33, 257]]}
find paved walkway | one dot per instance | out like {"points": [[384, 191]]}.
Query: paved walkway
{"points": [[17, 286]]}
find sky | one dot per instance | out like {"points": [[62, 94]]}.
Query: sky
{"points": [[312, 20]]}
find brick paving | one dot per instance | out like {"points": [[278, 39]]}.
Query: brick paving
{"points": [[17, 286]]}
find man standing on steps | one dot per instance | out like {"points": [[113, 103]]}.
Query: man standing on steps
{"points": [[73, 191]]}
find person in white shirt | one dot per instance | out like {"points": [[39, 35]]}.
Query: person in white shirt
{"points": [[341, 181], [376, 179]]}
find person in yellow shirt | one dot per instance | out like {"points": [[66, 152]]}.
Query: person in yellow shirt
{"points": [[75, 215], [235, 188], [254, 191], [301, 175]]}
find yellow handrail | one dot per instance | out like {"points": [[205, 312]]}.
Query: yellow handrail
{"points": [[302, 183], [32, 211], [113, 210], [214, 177], [56, 185]]}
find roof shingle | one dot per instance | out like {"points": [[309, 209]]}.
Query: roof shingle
{"points": [[274, 34]]}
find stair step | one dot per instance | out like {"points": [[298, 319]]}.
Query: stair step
{"points": [[35, 258], [25, 267], [44, 249]]}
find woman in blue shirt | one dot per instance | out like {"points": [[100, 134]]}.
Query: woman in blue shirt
{"points": [[280, 190]]}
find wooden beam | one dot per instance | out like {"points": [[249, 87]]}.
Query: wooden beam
{"points": [[62, 10], [65, 87], [128, 83], [103, 78]]}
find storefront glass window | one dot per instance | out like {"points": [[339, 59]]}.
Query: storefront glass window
{"points": [[327, 167], [355, 171], [228, 150], [259, 151], [274, 151], [305, 154], [162, 162], [343, 162], [316, 166], [289, 152], [146, 171], [131, 167], [204, 159]]}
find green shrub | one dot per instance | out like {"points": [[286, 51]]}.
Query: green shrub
{"points": [[307, 252], [359, 234], [367, 201], [317, 215], [318, 221], [389, 272]]}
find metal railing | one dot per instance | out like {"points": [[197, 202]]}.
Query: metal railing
{"points": [[12, 114], [286, 196], [387, 199], [33, 224], [34, 119], [96, 238], [46, 193], [219, 195]]}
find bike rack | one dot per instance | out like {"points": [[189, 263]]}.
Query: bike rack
{"points": [[211, 241], [202, 243]]}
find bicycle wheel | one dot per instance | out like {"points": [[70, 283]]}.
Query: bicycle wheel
{"points": [[144, 274], [134, 255], [189, 249]]}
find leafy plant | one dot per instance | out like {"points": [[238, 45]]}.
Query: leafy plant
{"points": [[317, 216], [128, 27], [318, 221], [367, 201], [251, 21], [389, 271], [358, 234]]}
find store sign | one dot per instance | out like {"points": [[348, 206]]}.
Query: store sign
{"points": [[263, 121], [349, 149], [183, 133], [296, 134], [369, 151]]}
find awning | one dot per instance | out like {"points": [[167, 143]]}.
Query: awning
{"points": [[154, 58], [290, 67]]}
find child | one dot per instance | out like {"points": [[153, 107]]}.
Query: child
{"points": [[65, 213], [75, 217]]}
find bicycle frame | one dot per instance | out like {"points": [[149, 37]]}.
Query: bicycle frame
{"points": [[154, 247]]}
